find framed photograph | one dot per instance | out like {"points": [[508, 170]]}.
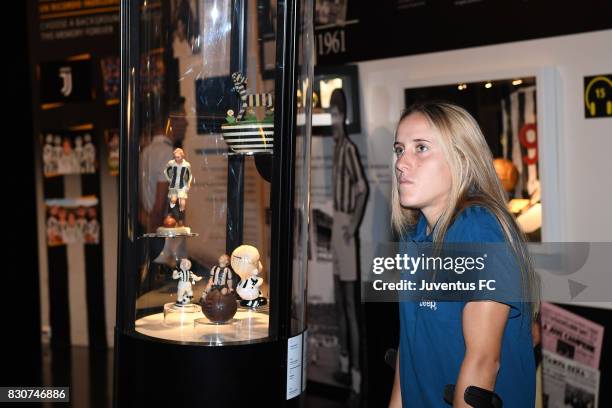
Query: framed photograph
{"points": [[326, 79], [68, 152], [111, 79], [72, 221], [330, 12]]}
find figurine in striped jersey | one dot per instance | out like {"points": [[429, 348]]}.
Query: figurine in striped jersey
{"points": [[249, 100]]}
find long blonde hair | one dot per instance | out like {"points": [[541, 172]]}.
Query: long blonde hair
{"points": [[473, 182]]}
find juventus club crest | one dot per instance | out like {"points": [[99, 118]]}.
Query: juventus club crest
{"points": [[66, 81], [66, 74]]}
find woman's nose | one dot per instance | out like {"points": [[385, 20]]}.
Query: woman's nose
{"points": [[403, 162]]}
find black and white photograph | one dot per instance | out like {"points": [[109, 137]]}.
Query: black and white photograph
{"points": [[576, 397], [68, 152], [330, 12], [72, 221]]}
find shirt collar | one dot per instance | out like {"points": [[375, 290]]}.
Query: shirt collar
{"points": [[420, 232]]}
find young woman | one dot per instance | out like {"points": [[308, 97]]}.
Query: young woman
{"points": [[446, 191]]}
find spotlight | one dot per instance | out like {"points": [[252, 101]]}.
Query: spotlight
{"points": [[517, 82], [488, 85]]}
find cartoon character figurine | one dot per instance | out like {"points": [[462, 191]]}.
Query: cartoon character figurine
{"points": [[179, 175], [186, 279], [245, 261]]}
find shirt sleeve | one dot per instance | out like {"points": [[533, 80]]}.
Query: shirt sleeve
{"points": [[481, 235], [164, 176]]}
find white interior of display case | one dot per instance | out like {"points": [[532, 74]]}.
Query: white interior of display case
{"points": [[247, 325]]}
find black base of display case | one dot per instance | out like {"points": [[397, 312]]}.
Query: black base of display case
{"points": [[149, 372]]}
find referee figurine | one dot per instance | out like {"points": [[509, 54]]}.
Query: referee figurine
{"points": [[350, 190]]}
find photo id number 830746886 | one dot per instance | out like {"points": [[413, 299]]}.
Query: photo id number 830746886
{"points": [[34, 394]]}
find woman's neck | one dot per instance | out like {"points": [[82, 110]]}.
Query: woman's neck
{"points": [[432, 215]]}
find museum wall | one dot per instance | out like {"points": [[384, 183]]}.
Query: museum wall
{"points": [[584, 144]]}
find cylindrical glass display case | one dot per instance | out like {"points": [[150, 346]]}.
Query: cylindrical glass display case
{"points": [[214, 190]]}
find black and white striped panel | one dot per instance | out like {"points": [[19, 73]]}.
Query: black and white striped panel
{"points": [[260, 99], [75, 296], [249, 138]]}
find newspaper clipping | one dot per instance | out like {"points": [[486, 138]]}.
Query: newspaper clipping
{"points": [[568, 383], [571, 336]]}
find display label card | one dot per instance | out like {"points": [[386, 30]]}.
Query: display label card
{"points": [[294, 366]]}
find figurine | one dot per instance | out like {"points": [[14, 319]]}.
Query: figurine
{"points": [[245, 261], [254, 116], [186, 279], [218, 300], [179, 175], [249, 100], [220, 277]]}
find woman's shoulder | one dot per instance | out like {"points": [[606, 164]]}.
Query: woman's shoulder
{"points": [[475, 223]]}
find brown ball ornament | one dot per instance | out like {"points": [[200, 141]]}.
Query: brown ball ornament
{"points": [[169, 222], [507, 173], [219, 308]]}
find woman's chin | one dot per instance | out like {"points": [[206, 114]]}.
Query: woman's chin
{"points": [[410, 203]]}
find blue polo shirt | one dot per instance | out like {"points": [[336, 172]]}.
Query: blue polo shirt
{"points": [[431, 336]]}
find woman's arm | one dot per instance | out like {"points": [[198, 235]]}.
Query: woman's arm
{"points": [[396, 393], [483, 329]]}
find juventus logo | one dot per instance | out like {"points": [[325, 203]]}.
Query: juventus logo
{"points": [[66, 74]]}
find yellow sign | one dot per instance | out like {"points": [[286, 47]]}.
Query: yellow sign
{"points": [[598, 96]]}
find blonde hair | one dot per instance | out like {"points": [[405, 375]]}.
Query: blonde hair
{"points": [[180, 151], [473, 182]]}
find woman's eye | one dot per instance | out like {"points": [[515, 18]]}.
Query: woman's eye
{"points": [[398, 150], [421, 148]]}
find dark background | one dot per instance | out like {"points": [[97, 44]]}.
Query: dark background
{"points": [[384, 30]]}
